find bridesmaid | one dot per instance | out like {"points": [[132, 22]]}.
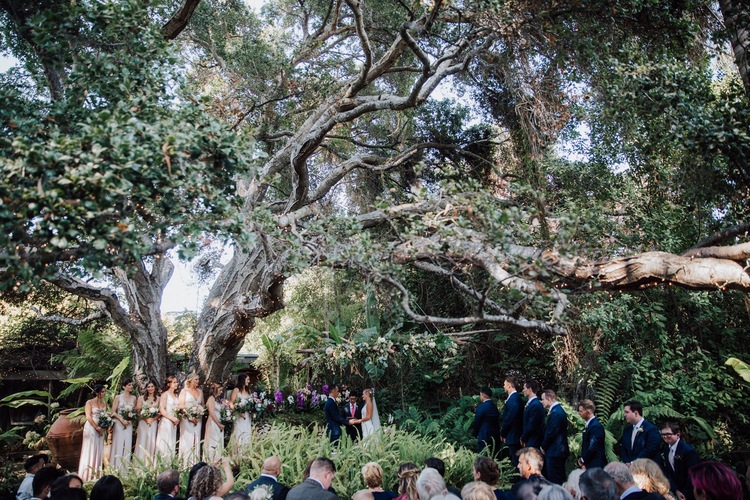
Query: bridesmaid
{"points": [[122, 427], [92, 450], [243, 426], [166, 437], [145, 443], [190, 428], [213, 442]]}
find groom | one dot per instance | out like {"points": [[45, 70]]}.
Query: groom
{"points": [[334, 419]]}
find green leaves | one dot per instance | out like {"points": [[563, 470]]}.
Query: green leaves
{"points": [[742, 368]]}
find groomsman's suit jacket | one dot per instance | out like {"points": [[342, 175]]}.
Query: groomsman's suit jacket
{"points": [[354, 431], [592, 449], [486, 425], [555, 443], [512, 420], [533, 423], [684, 458], [646, 443]]}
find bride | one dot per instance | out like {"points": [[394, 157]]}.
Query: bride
{"points": [[370, 419]]}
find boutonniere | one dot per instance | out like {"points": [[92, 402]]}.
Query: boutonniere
{"points": [[640, 430], [678, 458]]}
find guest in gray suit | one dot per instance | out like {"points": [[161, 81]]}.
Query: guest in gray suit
{"points": [[316, 486]]}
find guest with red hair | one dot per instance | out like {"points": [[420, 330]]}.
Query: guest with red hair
{"points": [[715, 481]]}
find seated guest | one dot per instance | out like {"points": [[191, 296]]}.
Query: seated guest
{"points": [[649, 477], [626, 487], [43, 479], [208, 484], [322, 472], [191, 475], [572, 484], [407, 481], [269, 474], [554, 492], [168, 484], [32, 466], [485, 470], [70, 494], [439, 466], [530, 463], [67, 482], [363, 495], [108, 488], [713, 481], [373, 476], [477, 490], [431, 486], [596, 484], [240, 495]]}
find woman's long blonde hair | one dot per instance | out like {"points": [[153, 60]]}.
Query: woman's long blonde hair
{"points": [[408, 474]]}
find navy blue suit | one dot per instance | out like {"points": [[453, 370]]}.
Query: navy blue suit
{"points": [[533, 423], [334, 420], [512, 425], [592, 448], [646, 443], [685, 457], [555, 445], [279, 490], [486, 426]]}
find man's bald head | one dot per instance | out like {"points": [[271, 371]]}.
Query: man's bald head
{"points": [[272, 466]]}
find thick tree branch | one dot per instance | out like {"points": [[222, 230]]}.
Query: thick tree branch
{"points": [[180, 19], [99, 314], [721, 236]]}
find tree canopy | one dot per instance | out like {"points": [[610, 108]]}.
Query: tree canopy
{"points": [[389, 138]]}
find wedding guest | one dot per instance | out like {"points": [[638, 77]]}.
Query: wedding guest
{"points": [[32, 465], [439, 466], [431, 486], [241, 397], [41, 486], [553, 492], [715, 481], [108, 488], [322, 472], [67, 487], [649, 477], [190, 427], [478, 490], [166, 436], [191, 474], [407, 481], [596, 484], [373, 476], [123, 415], [485, 470], [572, 485], [92, 450], [626, 487], [148, 425], [241, 495], [530, 463], [208, 484], [363, 494], [213, 441], [640, 438], [168, 484], [269, 476]]}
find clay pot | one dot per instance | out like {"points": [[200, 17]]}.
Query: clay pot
{"points": [[65, 438]]}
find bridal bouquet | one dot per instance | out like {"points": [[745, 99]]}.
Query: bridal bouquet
{"points": [[149, 410], [127, 412], [226, 415], [194, 412], [244, 405], [104, 419]]}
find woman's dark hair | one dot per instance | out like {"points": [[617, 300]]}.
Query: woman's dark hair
{"points": [[242, 381], [125, 382], [487, 470], [144, 392], [108, 488], [98, 388], [207, 482], [191, 475], [62, 485], [716, 480]]}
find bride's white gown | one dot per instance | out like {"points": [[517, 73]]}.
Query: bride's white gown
{"points": [[371, 427]]}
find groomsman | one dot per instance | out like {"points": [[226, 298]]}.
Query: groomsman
{"points": [[533, 416], [677, 460], [640, 439], [353, 411], [512, 426], [555, 442], [592, 449], [486, 422]]}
